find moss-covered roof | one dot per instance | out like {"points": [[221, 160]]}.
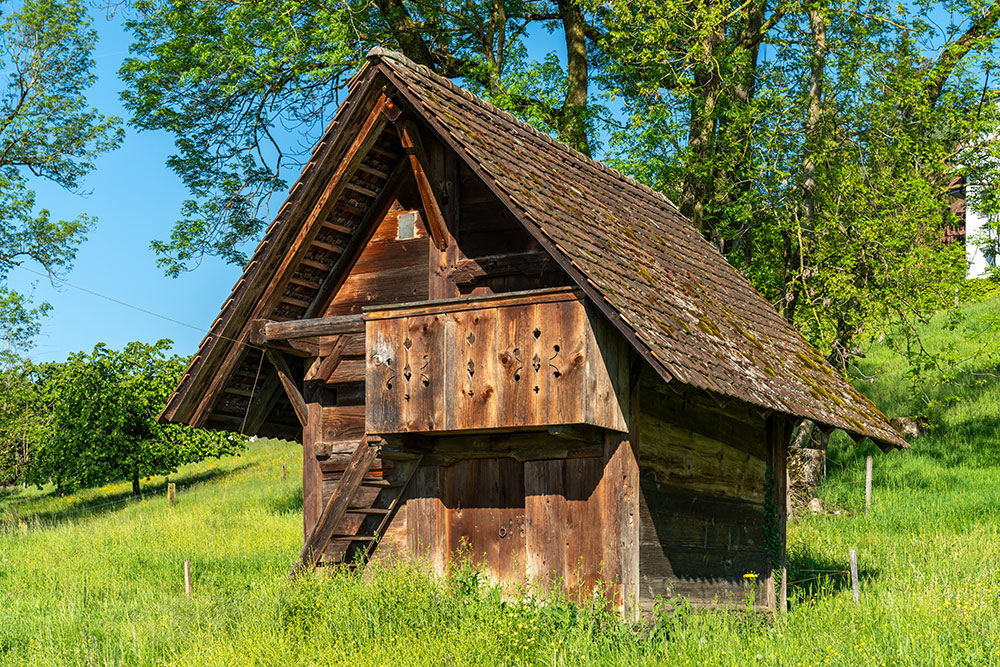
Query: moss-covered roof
{"points": [[690, 313]]}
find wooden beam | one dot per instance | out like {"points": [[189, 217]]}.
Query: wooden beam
{"points": [[324, 369], [288, 382], [409, 136], [216, 352], [369, 133], [266, 332], [467, 271], [365, 230]]}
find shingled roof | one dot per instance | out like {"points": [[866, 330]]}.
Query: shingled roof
{"points": [[690, 314]]}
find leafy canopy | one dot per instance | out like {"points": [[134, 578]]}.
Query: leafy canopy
{"points": [[47, 131], [815, 142]]}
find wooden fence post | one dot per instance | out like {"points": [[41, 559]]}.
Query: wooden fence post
{"points": [[868, 483], [854, 576], [284, 470], [171, 493], [187, 577]]}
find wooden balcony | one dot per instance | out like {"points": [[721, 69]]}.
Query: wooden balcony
{"points": [[505, 361]]}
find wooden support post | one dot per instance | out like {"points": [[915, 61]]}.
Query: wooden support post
{"points": [[854, 576], [409, 136], [868, 483], [312, 432], [187, 577], [776, 580], [171, 494]]}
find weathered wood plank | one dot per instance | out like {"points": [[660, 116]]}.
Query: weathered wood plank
{"points": [[475, 363], [343, 423], [423, 373], [545, 523], [584, 522], [384, 383], [426, 528], [514, 395], [375, 215], [680, 456]]}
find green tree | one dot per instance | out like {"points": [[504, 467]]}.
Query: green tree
{"points": [[47, 132], [813, 141], [103, 410], [229, 79], [23, 420]]}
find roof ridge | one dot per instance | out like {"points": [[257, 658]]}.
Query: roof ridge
{"points": [[389, 54]]}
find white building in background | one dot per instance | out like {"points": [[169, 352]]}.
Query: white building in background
{"points": [[979, 259]]}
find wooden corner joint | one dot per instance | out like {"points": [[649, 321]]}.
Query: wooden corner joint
{"points": [[391, 110], [258, 332]]}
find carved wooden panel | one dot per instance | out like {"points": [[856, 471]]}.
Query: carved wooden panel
{"points": [[530, 359]]}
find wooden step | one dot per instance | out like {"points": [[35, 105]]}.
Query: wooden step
{"points": [[355, 538], [380, 483], [368, 510]]}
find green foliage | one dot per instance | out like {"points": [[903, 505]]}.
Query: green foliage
{"points": [[956, 381], [244, 87], [47, 131], [821, 168], [102, 419], [814, 143], [23, 420]]}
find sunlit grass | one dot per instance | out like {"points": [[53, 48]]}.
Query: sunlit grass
{"points": [[96, 578]]}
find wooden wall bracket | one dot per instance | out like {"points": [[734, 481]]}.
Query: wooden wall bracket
{"points": [[288, 382]]}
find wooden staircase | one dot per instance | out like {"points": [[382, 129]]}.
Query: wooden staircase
{"points": [[354, 516]]}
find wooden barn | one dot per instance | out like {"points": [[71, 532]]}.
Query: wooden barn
{"points": [[492, 347]]}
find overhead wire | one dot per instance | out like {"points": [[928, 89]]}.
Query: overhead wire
{"points": [[207, 332], [112, 299]]}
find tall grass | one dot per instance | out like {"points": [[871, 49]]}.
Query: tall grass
{"points": [[96, 578]]}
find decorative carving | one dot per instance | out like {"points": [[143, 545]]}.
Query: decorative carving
{"points": [[555, 369], [424, 377]]}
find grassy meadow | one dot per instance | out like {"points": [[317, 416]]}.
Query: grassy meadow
{"points": [[95, 578]]}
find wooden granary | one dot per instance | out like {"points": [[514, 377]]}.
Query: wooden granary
{"points": [[489, 344]]}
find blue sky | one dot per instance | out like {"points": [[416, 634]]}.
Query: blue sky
{"points": [[136, 199]]}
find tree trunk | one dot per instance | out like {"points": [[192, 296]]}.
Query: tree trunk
{"points": [[817, 63], [135, 482], [698, 189], [574, 128]]}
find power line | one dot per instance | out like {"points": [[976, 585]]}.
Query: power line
{"points": [[124, 303]]}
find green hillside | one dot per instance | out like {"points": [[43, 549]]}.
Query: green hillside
{"points": [[96, 578]]}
